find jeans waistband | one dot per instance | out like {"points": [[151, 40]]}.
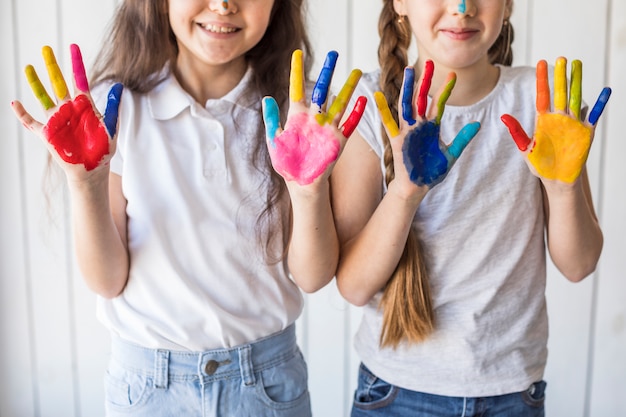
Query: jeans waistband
{"points": [[163, 365]]}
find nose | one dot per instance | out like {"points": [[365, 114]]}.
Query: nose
{"points": [[223, 7], [462, 7]]}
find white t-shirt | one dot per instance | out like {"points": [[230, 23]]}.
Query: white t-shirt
{"points": [[198, 279], [482, 230]]}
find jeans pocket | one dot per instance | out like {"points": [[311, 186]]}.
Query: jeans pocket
{"points": [[535, 395], [372, 392], [285, 386], [125, 390]]}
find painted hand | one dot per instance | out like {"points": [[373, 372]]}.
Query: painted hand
{"points": [[426, 157], [559, 148], [312, 140], [75, 131]]}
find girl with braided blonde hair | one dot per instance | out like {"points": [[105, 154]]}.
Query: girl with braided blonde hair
{"points": [[443, 220]]}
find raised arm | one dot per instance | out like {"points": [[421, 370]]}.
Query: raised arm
{"points": [[557, 153], [82, 142], [304, 154], [373, 228]]}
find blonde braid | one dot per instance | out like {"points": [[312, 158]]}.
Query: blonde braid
{"points": [[406, 302]]}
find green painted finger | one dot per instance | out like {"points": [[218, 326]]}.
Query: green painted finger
{"points": [[37, 87], [575, 92], [445, 95]]}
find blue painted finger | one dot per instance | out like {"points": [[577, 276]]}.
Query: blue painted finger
{"points": [[598, 108], [271, 118], [320, 91], [463, 138], [111, 112], [407, 95]]}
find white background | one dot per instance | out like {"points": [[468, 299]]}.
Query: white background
{"points": [[53, 352]]}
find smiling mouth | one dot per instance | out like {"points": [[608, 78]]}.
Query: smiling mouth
{"points": [[219, 29]]}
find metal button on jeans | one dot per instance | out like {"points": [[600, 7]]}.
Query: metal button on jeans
{"points": [[211, 366]]}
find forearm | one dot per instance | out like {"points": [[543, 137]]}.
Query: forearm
{"points": [[101, 253], [313, 247], [575, 239], [369, 259]]}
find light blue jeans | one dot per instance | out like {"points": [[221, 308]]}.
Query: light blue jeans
{"points": [[375, 397], [264, 378]]}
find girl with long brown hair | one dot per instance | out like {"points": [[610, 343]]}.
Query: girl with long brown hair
{"points": [[194, 243], [446, 251]]}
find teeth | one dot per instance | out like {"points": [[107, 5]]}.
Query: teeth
{"points": [[219, 29]]}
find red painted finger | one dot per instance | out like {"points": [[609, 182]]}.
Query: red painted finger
{"points": [[517, 132], [422, 97], [355, 116]]}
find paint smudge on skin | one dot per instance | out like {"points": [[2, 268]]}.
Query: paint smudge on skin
{"points": [[462, 7], [341, 101], [296, 157], [225, 4], [423, 159], [77, 134], [561, 147], [320, 91]]}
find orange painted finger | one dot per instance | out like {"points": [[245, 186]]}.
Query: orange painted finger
{"points": [[543, 87]]}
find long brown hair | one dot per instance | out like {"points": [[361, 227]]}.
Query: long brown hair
{"points": [[141, 44], [406, 302]]}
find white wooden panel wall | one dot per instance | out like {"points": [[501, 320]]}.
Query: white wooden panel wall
{"points": [[53, 352]]}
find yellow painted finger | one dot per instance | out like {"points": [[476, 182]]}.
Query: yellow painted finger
{"points": [[575, 92], [341, 101], [385, 114], [560, 85], [37, 87], [543, 88], [296, 77], [54, 72]]}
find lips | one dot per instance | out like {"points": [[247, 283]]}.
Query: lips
{"points": [[460, 34]]}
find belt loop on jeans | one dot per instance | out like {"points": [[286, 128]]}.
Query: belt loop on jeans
{"points": [[245, 365], [161, 371]]}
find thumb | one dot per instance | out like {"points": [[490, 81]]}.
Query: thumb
{"points": [[517, 132]]}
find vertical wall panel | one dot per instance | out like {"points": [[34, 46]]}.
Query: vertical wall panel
{"points": [[17, 379], [45, 229], [608, 379]]}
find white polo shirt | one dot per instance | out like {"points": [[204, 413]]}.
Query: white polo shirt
{"points": [[198, 279]]}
